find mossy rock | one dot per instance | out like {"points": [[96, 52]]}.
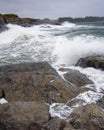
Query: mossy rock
{"points": [[11, 18]]}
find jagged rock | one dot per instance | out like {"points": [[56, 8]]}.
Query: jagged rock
{"points": [[89, 117], [77, 78], [92, 61], [34, 82], [23, 116]]}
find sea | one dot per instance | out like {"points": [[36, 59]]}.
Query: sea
{"points": [[62, 46]]}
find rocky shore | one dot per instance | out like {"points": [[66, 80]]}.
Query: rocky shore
{"points": [[30, 88], [27, 90], [27, 22]]}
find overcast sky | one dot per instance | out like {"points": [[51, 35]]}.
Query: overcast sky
{"points": [[53, 8]]}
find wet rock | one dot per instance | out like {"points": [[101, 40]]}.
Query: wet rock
{"points": [[34, 82], [92, 61], [23, 116], [2, 24], [3, 28], [2, 21], [76, 78], [87, 117], [101, 102]]}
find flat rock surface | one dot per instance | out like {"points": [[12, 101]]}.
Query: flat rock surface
{"points": [[34, 82]]}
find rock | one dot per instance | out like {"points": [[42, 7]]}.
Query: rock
{"points": [[76, 78], [101, 102], [2, 24], [2, 21], [92, 61], [1, 93], [89, 117], [11, 18], [3, 28], [27, 22], [34, 82], [23, 116], [55, 124]]}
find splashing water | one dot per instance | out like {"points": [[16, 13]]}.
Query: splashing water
{"points": [[59, 45]]}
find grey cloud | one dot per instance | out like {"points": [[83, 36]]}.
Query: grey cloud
{"points": [[53, 8]]}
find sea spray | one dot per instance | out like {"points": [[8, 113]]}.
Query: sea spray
{"points": [[61, 45]]}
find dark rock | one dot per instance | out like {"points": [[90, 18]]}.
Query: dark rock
{"points": [[3, 28], [76, 78], [23, 116], [2, 24], [92, 61], [101, 102], [11, 18], [34, 82], [27, 22], [14, 19], [2, 21], [1, 93], [89, 117]]}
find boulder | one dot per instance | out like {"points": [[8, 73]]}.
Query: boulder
{"points": [[55, 124], [77, 78], [92, 61], [34, 82], [89, 117], [23, 116]]}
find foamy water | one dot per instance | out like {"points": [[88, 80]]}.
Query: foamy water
{"points": [[60, 45]]}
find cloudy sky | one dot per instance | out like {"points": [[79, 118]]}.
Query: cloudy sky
{"points": [[53, 8]]}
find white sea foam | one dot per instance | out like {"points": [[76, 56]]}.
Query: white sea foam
{"points": [[39, 43], [3, 100], [59, 45], [60, 110], [97, 76]]}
